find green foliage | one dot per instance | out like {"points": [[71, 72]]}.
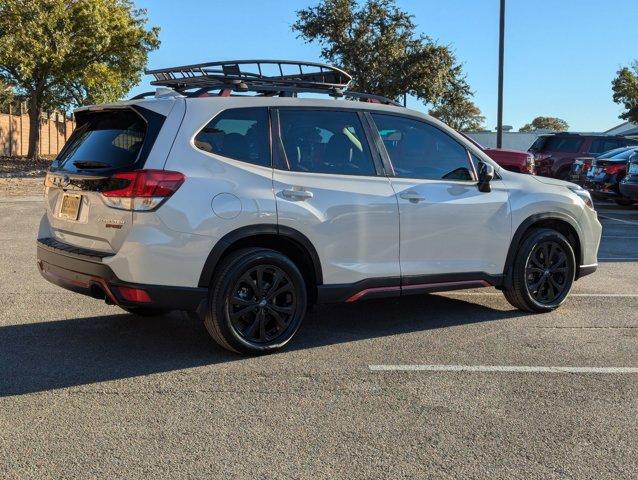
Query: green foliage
{"points": [[625, 88], [64, 53], [376, 43], [457, 110], [545, 123]]}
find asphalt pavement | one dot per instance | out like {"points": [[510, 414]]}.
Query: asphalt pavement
{"points": [[89, 391]]}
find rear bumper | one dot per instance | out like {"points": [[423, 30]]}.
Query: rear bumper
{"points": [[602, 189], [629, 190], [82, 271]]}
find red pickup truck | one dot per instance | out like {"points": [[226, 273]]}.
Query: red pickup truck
{"points": [[555, 153], [512, 160]]}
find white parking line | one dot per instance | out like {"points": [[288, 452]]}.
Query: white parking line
{"points": [[500, 368]]}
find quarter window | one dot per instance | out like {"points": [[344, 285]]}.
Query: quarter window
{"points": [[325, 141], [420, 150], [240, 134]]}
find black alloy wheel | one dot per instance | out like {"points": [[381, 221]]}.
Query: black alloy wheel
{"points": [[257, 300], [542, 272], [547, 272], [262, 304]]}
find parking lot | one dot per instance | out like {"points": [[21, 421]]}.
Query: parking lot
{"points": [[88, 391]]}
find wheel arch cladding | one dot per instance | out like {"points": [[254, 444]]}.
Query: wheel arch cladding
{"points": [[562, 223], [285, 240]]}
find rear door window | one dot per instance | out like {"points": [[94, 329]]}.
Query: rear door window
{"points": [[240, 134], [562, 144], [325, 141], [109, 140]]}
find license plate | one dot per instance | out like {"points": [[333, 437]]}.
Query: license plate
{"points": [[70, 206], [633, 168]]}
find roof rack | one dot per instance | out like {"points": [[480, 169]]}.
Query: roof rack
{"points": [[252, 73], [289, 78]]}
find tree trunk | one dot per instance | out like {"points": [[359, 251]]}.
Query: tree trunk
{"points": [[35, 111]]}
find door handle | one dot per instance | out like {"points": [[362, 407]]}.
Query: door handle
{"points": [[412, 196], [297, 193]]}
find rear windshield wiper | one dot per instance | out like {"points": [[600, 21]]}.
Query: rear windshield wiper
{"points": [[88, 164]]}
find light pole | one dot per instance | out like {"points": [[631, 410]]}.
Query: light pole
{"points": [[501, 49]]}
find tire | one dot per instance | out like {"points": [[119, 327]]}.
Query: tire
{"points": [[256, 303], [624, 202], [543, 271], [147, 311]]}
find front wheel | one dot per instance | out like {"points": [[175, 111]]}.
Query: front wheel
{"points": [[257, 301], [543, 271]]}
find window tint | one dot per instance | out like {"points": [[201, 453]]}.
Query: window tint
{"points": [[325, 141], [105, 140], [600, 145], [419, 150], [562, 144], [240, 133]]}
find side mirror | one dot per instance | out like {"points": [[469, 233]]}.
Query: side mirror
{"points": [[485, 176]]}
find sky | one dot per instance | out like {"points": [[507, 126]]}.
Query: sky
{"points": [[560, 55]]}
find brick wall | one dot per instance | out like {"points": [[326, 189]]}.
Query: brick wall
{"points": [[14, 133]]}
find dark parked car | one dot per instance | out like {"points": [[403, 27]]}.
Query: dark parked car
{"points": [[581, 165], [629, 184], [513, 160], [604, 176], [555, 153]]}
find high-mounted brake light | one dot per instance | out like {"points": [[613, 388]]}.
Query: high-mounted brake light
{"points": [[141, 190]]}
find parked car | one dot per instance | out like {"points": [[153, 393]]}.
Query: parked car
{"points": [[512, 160], [582, 164], [555, 153], [604, 176], [247, 208], [629, 184]]}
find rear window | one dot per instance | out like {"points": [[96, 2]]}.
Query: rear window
{"points": [[600, 145], [104, 141], [240, 134], [624, 155], [557, 144]]}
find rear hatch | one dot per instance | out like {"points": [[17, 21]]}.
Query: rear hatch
{"points": [[105, 142]]}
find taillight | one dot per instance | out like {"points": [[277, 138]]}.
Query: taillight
{"points": [[530, 164], [134, 294], [141, 190], [614, 169]]}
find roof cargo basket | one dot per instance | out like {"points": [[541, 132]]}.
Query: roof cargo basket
{"points": [[267, 77]]}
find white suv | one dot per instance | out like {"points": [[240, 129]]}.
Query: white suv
{"points": [[246, 208]]}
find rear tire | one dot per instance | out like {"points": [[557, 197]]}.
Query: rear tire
{"points": [[542, 273], [257, 301]]}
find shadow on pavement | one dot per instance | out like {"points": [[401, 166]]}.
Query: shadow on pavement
{"points": [[48, 355]]}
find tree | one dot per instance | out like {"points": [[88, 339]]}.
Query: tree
{"points": [[63, 53], [545, 123], [376, 43], [625, 88], [457, 110]]}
